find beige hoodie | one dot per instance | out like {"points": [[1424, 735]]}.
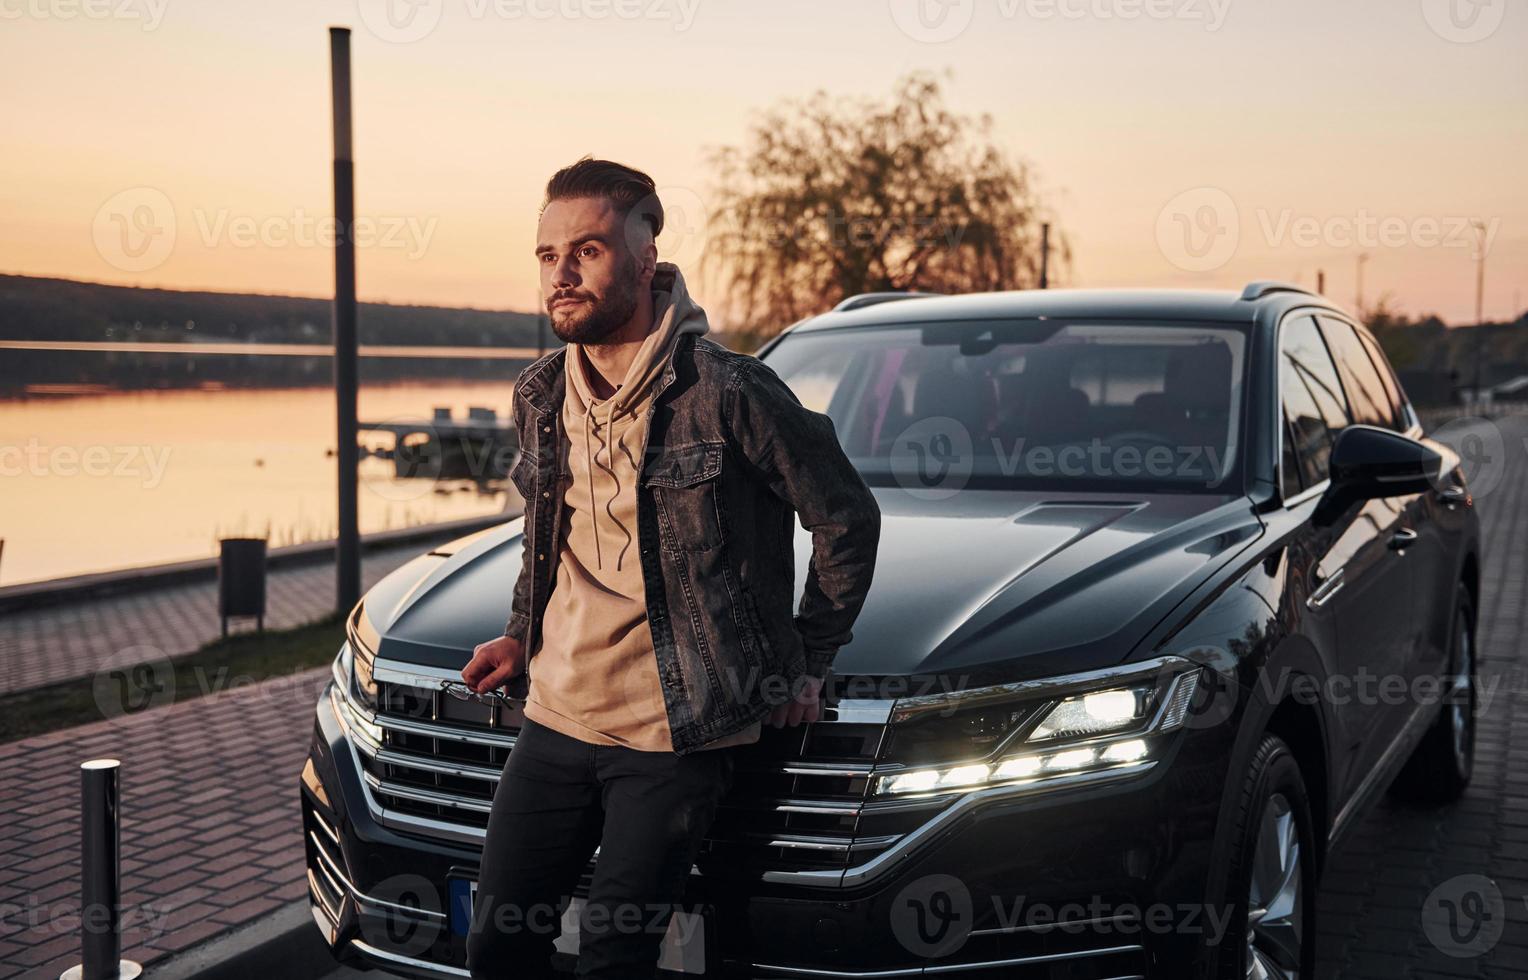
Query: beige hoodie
{"points": [[595, 675]]}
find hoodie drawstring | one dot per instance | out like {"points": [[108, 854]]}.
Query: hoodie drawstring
{"points": [[615, 477], [593, 514]]}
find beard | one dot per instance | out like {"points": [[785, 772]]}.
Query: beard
{"points": [[597, 317]]}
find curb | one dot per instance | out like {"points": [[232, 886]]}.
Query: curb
{"points": [[283, 944]]}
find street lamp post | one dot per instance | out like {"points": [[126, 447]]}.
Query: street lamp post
{"points": [[347, 577], [1045, 255], [1480, 294]]}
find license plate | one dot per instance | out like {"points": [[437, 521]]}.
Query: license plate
{"points": [[462, 892], [683, 949]]}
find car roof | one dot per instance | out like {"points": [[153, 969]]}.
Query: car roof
{"points": [[1259, 302]]}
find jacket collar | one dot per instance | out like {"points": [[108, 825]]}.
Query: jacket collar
{"points": [[546, 386]]}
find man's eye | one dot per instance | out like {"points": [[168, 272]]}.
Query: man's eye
{"points": [[588, 251]]}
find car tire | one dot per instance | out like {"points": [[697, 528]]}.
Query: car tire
{"points": [[1273, 872], [1440, 766]]}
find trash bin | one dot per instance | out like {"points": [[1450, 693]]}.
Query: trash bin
{"points": [[241, 580]]}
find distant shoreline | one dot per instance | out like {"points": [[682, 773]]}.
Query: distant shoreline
{"points": [[62, 332]]}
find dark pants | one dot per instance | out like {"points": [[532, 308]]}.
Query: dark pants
{"points": [[557, 798]]}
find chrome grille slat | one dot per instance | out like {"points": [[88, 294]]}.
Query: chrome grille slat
{"points": [[323, 893], [413, 760], [812, 806], [442, 731], [802, 769], [424, 796]]}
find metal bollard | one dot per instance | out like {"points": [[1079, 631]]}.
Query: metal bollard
{"points": [[100, 877]]}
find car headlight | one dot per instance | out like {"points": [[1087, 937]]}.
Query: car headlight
{"points": [[1098, 713], [936, 736], [352, 674], [1114, 727], [354, 695]]}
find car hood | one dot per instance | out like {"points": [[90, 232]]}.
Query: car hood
{"points": [[984, 585]]}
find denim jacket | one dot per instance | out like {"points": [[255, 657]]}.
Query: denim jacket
{"points": [[731, 457]]}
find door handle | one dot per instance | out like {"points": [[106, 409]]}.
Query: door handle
{"points": [[1326, 589], [1453, 496], [1403, 539]]}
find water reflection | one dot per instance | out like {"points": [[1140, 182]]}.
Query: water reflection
{"points": [[120, 479]]}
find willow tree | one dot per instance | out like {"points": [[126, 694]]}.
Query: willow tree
{"points": [[835, 196]]}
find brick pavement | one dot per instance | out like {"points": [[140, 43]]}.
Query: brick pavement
{"points": [[210, 824], [193, 871], [56, 643]]}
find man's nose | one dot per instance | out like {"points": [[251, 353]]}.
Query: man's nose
{"points": [[564, 276]]}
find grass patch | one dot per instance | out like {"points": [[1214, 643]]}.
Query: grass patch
{"points": [[114, 691]]}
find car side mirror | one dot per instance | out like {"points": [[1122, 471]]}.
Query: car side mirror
{"points": [[1369, 462]]}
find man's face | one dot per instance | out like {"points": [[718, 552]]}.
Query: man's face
{"points": [[590, 277]]}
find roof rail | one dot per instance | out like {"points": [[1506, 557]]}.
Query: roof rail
{"points": [[863, 300], [1257, 290]]}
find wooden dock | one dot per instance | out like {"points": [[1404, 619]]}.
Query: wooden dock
{"points": [[482, 447]]}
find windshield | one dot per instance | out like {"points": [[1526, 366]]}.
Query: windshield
{"points": [[1028, 403]]}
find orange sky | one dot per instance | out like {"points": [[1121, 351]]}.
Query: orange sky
{"points": [[1182, 142]]}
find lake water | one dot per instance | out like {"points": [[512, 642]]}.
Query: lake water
{"points": [[116, 480]]}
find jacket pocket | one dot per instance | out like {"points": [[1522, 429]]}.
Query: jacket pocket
{"points": [[686, 487], [524, 474]]}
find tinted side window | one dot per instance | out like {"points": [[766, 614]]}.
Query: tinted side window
{"points": [[1367, 398], [1307, 425], [1290, 468], [1387, 378], [1304, 349], [1312, 395]]}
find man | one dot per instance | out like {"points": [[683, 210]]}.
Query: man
{"points": [[663, 475]]}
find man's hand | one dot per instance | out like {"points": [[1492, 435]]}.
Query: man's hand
{"points": [[493, 663], [805, 706]]}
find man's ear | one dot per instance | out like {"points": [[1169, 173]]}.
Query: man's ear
{"points": [[649, 261]]}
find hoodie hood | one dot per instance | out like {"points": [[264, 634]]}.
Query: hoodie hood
{"points": [[675, 314]]}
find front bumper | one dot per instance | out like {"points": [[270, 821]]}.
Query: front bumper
{"points": [[1100, 879]]}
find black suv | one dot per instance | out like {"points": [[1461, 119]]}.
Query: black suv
{"points": [[1171, 585]]}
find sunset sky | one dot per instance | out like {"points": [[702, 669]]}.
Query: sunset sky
{"points": [[186, 144]]}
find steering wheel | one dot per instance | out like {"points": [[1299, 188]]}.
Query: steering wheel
{"points": [[1137, 435]]}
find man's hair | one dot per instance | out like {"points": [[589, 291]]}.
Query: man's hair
{"points": [[625, 187]]}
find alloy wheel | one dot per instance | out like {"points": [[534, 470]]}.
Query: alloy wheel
{"points": [[1276, 901], [1462, 700]]}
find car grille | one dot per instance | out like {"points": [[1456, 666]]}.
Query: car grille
{"points": [[800, 801], [326, 862]]}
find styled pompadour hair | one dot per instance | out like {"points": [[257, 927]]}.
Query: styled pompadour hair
{"points": [[629, 189]]}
